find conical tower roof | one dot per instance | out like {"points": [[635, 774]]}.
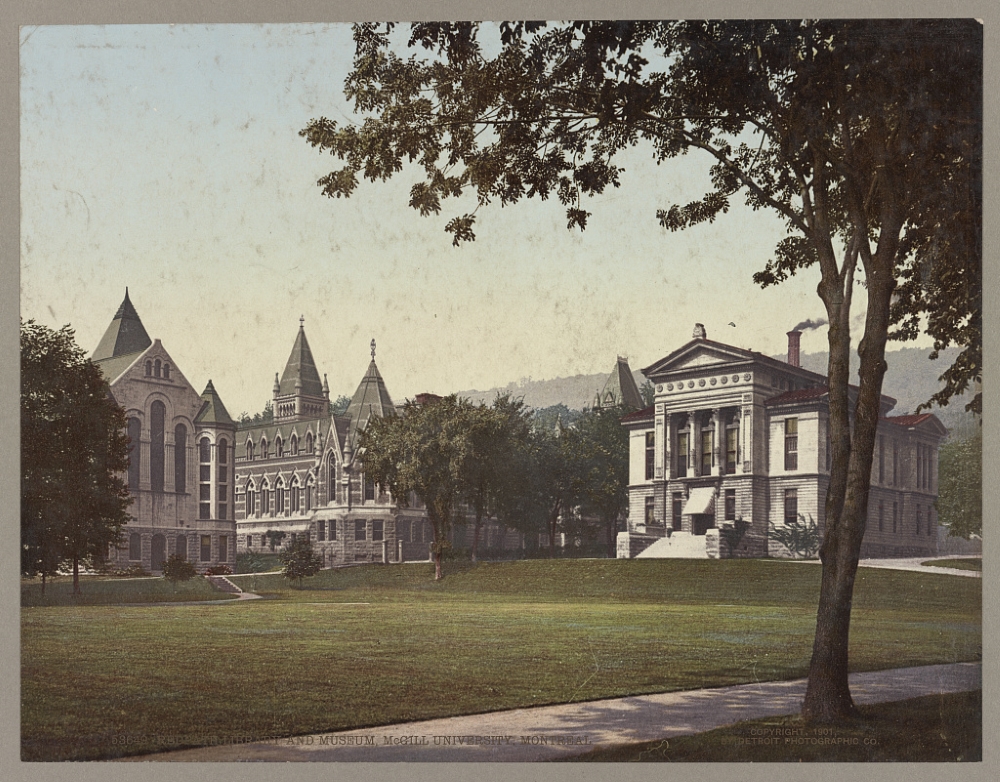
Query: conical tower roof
{"points": [[620, 388], [301, 367], [370, 399], [212, 410], [125, 335]]}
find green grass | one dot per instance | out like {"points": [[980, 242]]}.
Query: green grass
{"points": [[488, 637], [968, 563], [98, 591], [936, 728]]}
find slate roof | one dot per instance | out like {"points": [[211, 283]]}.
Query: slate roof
{"points": [[370, 399], [646, 414], [212, 410], [113, 368], [125, 336], [620, 387], [301, 367], [799, 395]]}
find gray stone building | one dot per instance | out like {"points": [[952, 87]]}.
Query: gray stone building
{"points": [[181, 453], [736, 435]]}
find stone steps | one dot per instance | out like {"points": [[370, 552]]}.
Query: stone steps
{"points": [[223, 584], [680, 545]]}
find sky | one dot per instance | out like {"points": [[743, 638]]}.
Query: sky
{"points": [[167, 159]]}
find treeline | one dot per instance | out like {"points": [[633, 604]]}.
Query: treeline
{"points": [[533, 472]]}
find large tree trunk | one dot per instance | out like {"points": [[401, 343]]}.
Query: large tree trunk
{"points": [[828, 697]]}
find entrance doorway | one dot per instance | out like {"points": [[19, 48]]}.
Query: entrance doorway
{"points": [[700, 522], [159, 552]]}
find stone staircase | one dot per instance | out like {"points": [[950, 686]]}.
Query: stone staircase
{"points": [[223, 584], [680, 545]]}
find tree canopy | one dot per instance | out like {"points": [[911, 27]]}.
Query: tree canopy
{"points": [[863, 136], [960, 486], [73, 455]]}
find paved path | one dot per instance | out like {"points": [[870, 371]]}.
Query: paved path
{"points": [[551, 732], [914, 564]]}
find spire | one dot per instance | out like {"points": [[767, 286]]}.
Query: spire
{"points": [[620, 388], [212, 410], [301, 368], [370, 399], [125, 335]]}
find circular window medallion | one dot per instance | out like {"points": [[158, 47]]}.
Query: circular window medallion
{"points": [[725, 380], [701, 383], [747, 377], [670, 386], [736, 378], [659, 388], [713, 381], [690, 384]]}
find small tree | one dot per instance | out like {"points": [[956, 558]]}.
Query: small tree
{"points": [[177, 568], [300, 560], [799, 536], [732, 533]]}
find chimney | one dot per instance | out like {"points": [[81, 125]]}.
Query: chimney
{"points": [[793, 347], [699, 332]]}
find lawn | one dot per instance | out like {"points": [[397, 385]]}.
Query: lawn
{"points": [[117, 591], [966, 563], [933, 729], [382, 644]]}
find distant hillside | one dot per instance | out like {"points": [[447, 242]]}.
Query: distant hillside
{"points": [[911, 379]]}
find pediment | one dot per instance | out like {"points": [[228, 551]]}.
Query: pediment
{"points": [[698, 353]]}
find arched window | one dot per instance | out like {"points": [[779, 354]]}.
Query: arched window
{"points": [[293, 498], [134, 433], [134, 546], [309, 442], [204, 450], [166, 371], [331, 479], [265, 501], [249, 451], [157, 416], [309, 494], [263, 447], [156, 368], [277, 447], [149, 369], [180, 458], [205, 478], [249, 500], [222, 478], [294, 445], [279, 498]]}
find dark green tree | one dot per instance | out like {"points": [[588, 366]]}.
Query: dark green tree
{"points": [[299, 560], [960, 486], [864, 136], [73, 454], [177, 568], [603, 463], [424, 451]]}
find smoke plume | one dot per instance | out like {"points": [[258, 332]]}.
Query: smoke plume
{"points": [[806, 325]]}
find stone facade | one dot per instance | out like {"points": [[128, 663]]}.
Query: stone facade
{"points": [[735, 435], [181, 453]]}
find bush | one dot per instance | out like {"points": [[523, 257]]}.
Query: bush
{"points": [[800, 537], [177, 568], [219, 570], [300, 560], [250, 562], [132, 571]]}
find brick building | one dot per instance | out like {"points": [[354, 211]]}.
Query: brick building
{"points": [[736, 435]]}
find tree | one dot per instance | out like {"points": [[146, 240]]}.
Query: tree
{"points": [[274, 538], [299, 560], [960, 486], [423, 451], [177, 568], [339, 405], [603, 461], [74, 453], [648, 393], [864, 136]]}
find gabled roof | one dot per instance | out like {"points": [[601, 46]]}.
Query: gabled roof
{"points": [[639, 416], [301, 367], [125, 336], [695, 349], [800, 395], [620, 388], [370, 399], [927, 421], [114, 368], [212, 410]]}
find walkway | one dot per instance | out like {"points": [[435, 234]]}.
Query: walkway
{"points": [[550, 732], [914, 565]]}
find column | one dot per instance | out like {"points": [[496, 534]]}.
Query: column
{"points": [[658, 444], [746, 437], [667, 448], [720, 431], [692, 420]]}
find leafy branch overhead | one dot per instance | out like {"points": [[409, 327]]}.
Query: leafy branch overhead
{"points": [[852, 132]]}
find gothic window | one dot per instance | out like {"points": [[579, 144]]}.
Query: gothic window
{"points": [[265, 501], [249, 451], [279, 499], [205, 478], [134, 432], [157, 417], [294, 497], [650, 454], [263, 447], [278, 447], [249, 500], [294, 445], [180, 458], [309, 496], [791, 443], [333, 529], [309, 442]]}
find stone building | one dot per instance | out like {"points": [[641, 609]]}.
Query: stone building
{"points": [[299, 474], [734, 435], [181, 453]]}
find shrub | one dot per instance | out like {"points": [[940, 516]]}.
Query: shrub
{"points": [[177, 568], [132, 571], [800, 537], [300, 560], [219, 570], [250, 562]]}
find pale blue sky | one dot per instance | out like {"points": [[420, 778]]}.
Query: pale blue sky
{"points": [[168, 159]]}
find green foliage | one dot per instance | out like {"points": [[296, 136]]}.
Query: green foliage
{"points": [[554, 416], [132, 571], [265, 417], [177, 568], [800, 537], [339, 405], [274, 538], [602, 458], [251, 562], [648, 393], [300, 561], [73, 454], [219, 570], [733, 533], [960, 486]]}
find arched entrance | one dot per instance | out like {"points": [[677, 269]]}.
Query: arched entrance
{"points": [[159, 552]]}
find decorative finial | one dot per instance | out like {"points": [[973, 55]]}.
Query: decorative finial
{"points": [[302, 321], [373, 348]]}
